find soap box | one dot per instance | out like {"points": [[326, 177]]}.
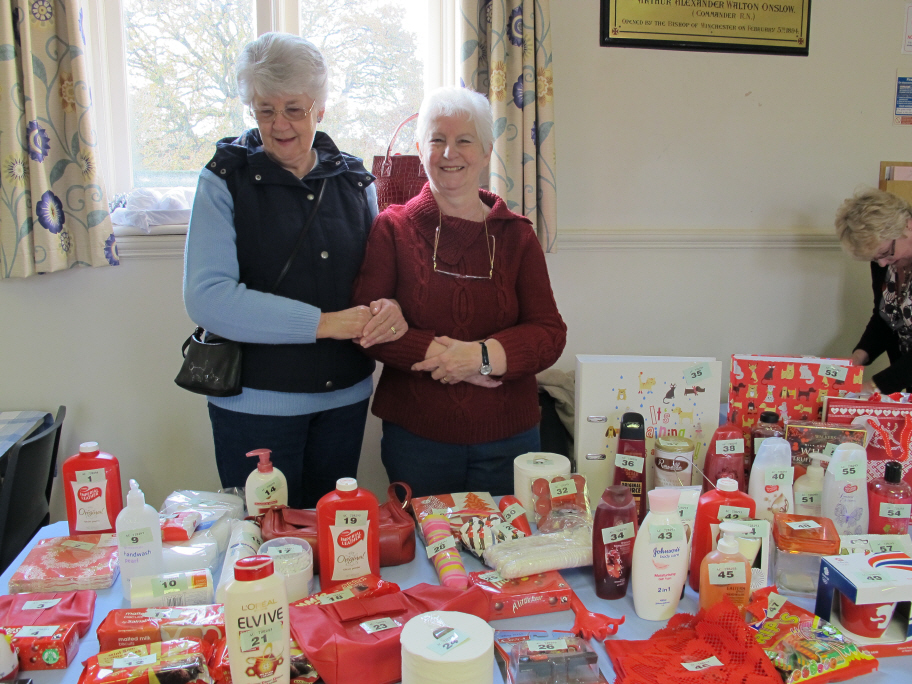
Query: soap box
{"points": [[546, 592], [808, 438], [874, 543], [869, 578], [124, 627], [49, 647]]}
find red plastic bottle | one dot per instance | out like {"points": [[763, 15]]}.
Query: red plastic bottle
{"points": [[632, 443], [614, 530], [889, 502], [726, 459], [737, 506], [91, 486], [348, 534]]}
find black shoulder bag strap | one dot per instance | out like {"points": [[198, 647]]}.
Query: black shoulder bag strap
{"points": [[301, 237]]}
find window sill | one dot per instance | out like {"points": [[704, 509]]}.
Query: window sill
{"points": [[165, 242]]}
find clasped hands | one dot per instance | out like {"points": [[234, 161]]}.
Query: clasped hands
{"points": [[451, 361], [381, 322]]}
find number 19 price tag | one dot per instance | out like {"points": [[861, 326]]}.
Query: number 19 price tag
{"points": [[628, 462], [351, 518]]}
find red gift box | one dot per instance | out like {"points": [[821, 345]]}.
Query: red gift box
{"points": [[50, 647], [546, 592]]}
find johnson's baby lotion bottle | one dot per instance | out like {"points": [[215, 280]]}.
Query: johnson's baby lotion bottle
{"points": [[659, 558], [139, 541]]}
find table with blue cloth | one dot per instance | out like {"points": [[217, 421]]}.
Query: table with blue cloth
{"points": [[14, 425]]}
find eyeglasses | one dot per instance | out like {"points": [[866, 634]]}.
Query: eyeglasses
{"points": [[489, 241], [889, 253], [268, 115]]}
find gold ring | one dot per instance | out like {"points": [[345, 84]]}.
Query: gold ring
{"points": [[445, 379], [393, 329]]}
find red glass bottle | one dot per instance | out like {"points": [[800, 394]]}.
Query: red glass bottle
{"points": [[614, 530], [889, 502], [725, 457]]}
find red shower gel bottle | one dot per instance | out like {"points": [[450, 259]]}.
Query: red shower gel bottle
{"points": [[613, 533]]}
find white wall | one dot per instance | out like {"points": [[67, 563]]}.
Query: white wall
{"points": [[674, 169]]}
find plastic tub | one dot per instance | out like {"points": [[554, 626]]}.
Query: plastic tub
{"points": [[293, 560]]}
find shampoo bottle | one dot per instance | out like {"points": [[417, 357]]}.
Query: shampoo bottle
{"points": [[348, 534], [630, 462], [771, 479], [809, 491], [725, 572], [614, 529], [845, 489], [725, 503], [139, 542], [266, 486], [659, 558], [91, 486], [256, 623], [725, 457], [889, 502]]}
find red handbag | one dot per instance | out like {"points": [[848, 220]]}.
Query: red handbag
{"points": [[397, 527], [342, 651], [399, 176]]}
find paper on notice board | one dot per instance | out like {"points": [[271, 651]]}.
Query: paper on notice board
{"points": [[902, 110], [907, 31]]}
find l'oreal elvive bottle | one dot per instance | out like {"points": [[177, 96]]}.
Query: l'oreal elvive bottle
{"points": [[91, 486], [725, 457], [614, 530], [725, 503], [266, 486], [772, 478], [630, 462], [725, 572], [348, 534], [889, 502], [659, 558]]}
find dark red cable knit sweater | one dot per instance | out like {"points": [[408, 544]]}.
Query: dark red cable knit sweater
{"points": [[516, 307]]}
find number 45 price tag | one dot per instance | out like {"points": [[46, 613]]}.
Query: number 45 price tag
{"points": [[724, 574]]}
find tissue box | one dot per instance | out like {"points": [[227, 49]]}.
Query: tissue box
{"points": [[50, 647], [874, 543], [546, 592], [866, 579]]}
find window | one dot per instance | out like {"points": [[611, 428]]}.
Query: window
{"points": [[163, 73]]}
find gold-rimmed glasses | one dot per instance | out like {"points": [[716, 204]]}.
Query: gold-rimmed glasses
{"points": [[268, 114], [489, 241]]}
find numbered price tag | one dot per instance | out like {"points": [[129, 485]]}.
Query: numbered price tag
{"points": [[687, 511], [513, 511], [617, 533], [779, 476], [134, 661], [723, 574], [255, 639], [287, 550], [142, 535], [351, 518], [701, 665], [895, 510], [774, 604], [546, 645], [381, 625], [733, 513], [170, 584], [697, 373], [885, 547], [82, 546], [40, 605], [158, 613], [36, 631], [808, 498], [848, 471], [873, 576], [730, 446], [564, 488], [266, 491], [540, 461], [89, 476], [440, 546], [837, 373], [336, 597], [803, 525], [446, 639], [754, 526], [493, 577], [662, 534], [628, 462], [106, 540], [829, 449]]}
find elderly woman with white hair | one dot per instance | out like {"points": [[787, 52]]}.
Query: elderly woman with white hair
{"points": [[306, 381], [876, 226], [458, 396]]}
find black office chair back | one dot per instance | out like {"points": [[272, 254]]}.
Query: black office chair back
{"points": [[25, 494]]}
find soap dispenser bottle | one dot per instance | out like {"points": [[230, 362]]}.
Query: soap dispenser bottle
{"points": [[139, 542], [809, 491], [266, 486], [845, 489], [725, 572]]}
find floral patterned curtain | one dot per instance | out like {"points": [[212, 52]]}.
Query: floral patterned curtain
{"points": [[506, 55], [53, 209]]}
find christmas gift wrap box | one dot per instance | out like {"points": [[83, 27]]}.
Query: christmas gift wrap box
{"points": [[809, 438], [792, 386]]}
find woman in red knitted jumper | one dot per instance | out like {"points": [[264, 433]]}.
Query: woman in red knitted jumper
{"points": [[458, 396]]}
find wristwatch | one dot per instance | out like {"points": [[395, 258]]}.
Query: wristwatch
{"points": [[485, 361]]}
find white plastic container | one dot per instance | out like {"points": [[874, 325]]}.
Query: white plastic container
{"points": [[660, 558], [256, 623], [293, 560], [809, 491], [845, 490], [266, 486], [139, 542], [772, 479]]}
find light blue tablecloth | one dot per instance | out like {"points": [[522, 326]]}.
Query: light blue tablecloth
{"points": [[14, 425]]}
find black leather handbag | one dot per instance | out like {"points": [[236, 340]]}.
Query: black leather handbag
{"points": [[212, 364]]}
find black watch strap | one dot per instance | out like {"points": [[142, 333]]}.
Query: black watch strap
{"points": [[485, 361]]}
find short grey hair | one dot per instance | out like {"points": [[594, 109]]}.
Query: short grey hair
{"points": [[282, 64], [456, 101], [869, 218]]}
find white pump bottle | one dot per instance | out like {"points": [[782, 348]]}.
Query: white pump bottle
{"points": [[139, 542], [266, 486]]}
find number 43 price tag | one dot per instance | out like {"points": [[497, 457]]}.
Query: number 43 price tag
{"points": [[662, 534]]}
